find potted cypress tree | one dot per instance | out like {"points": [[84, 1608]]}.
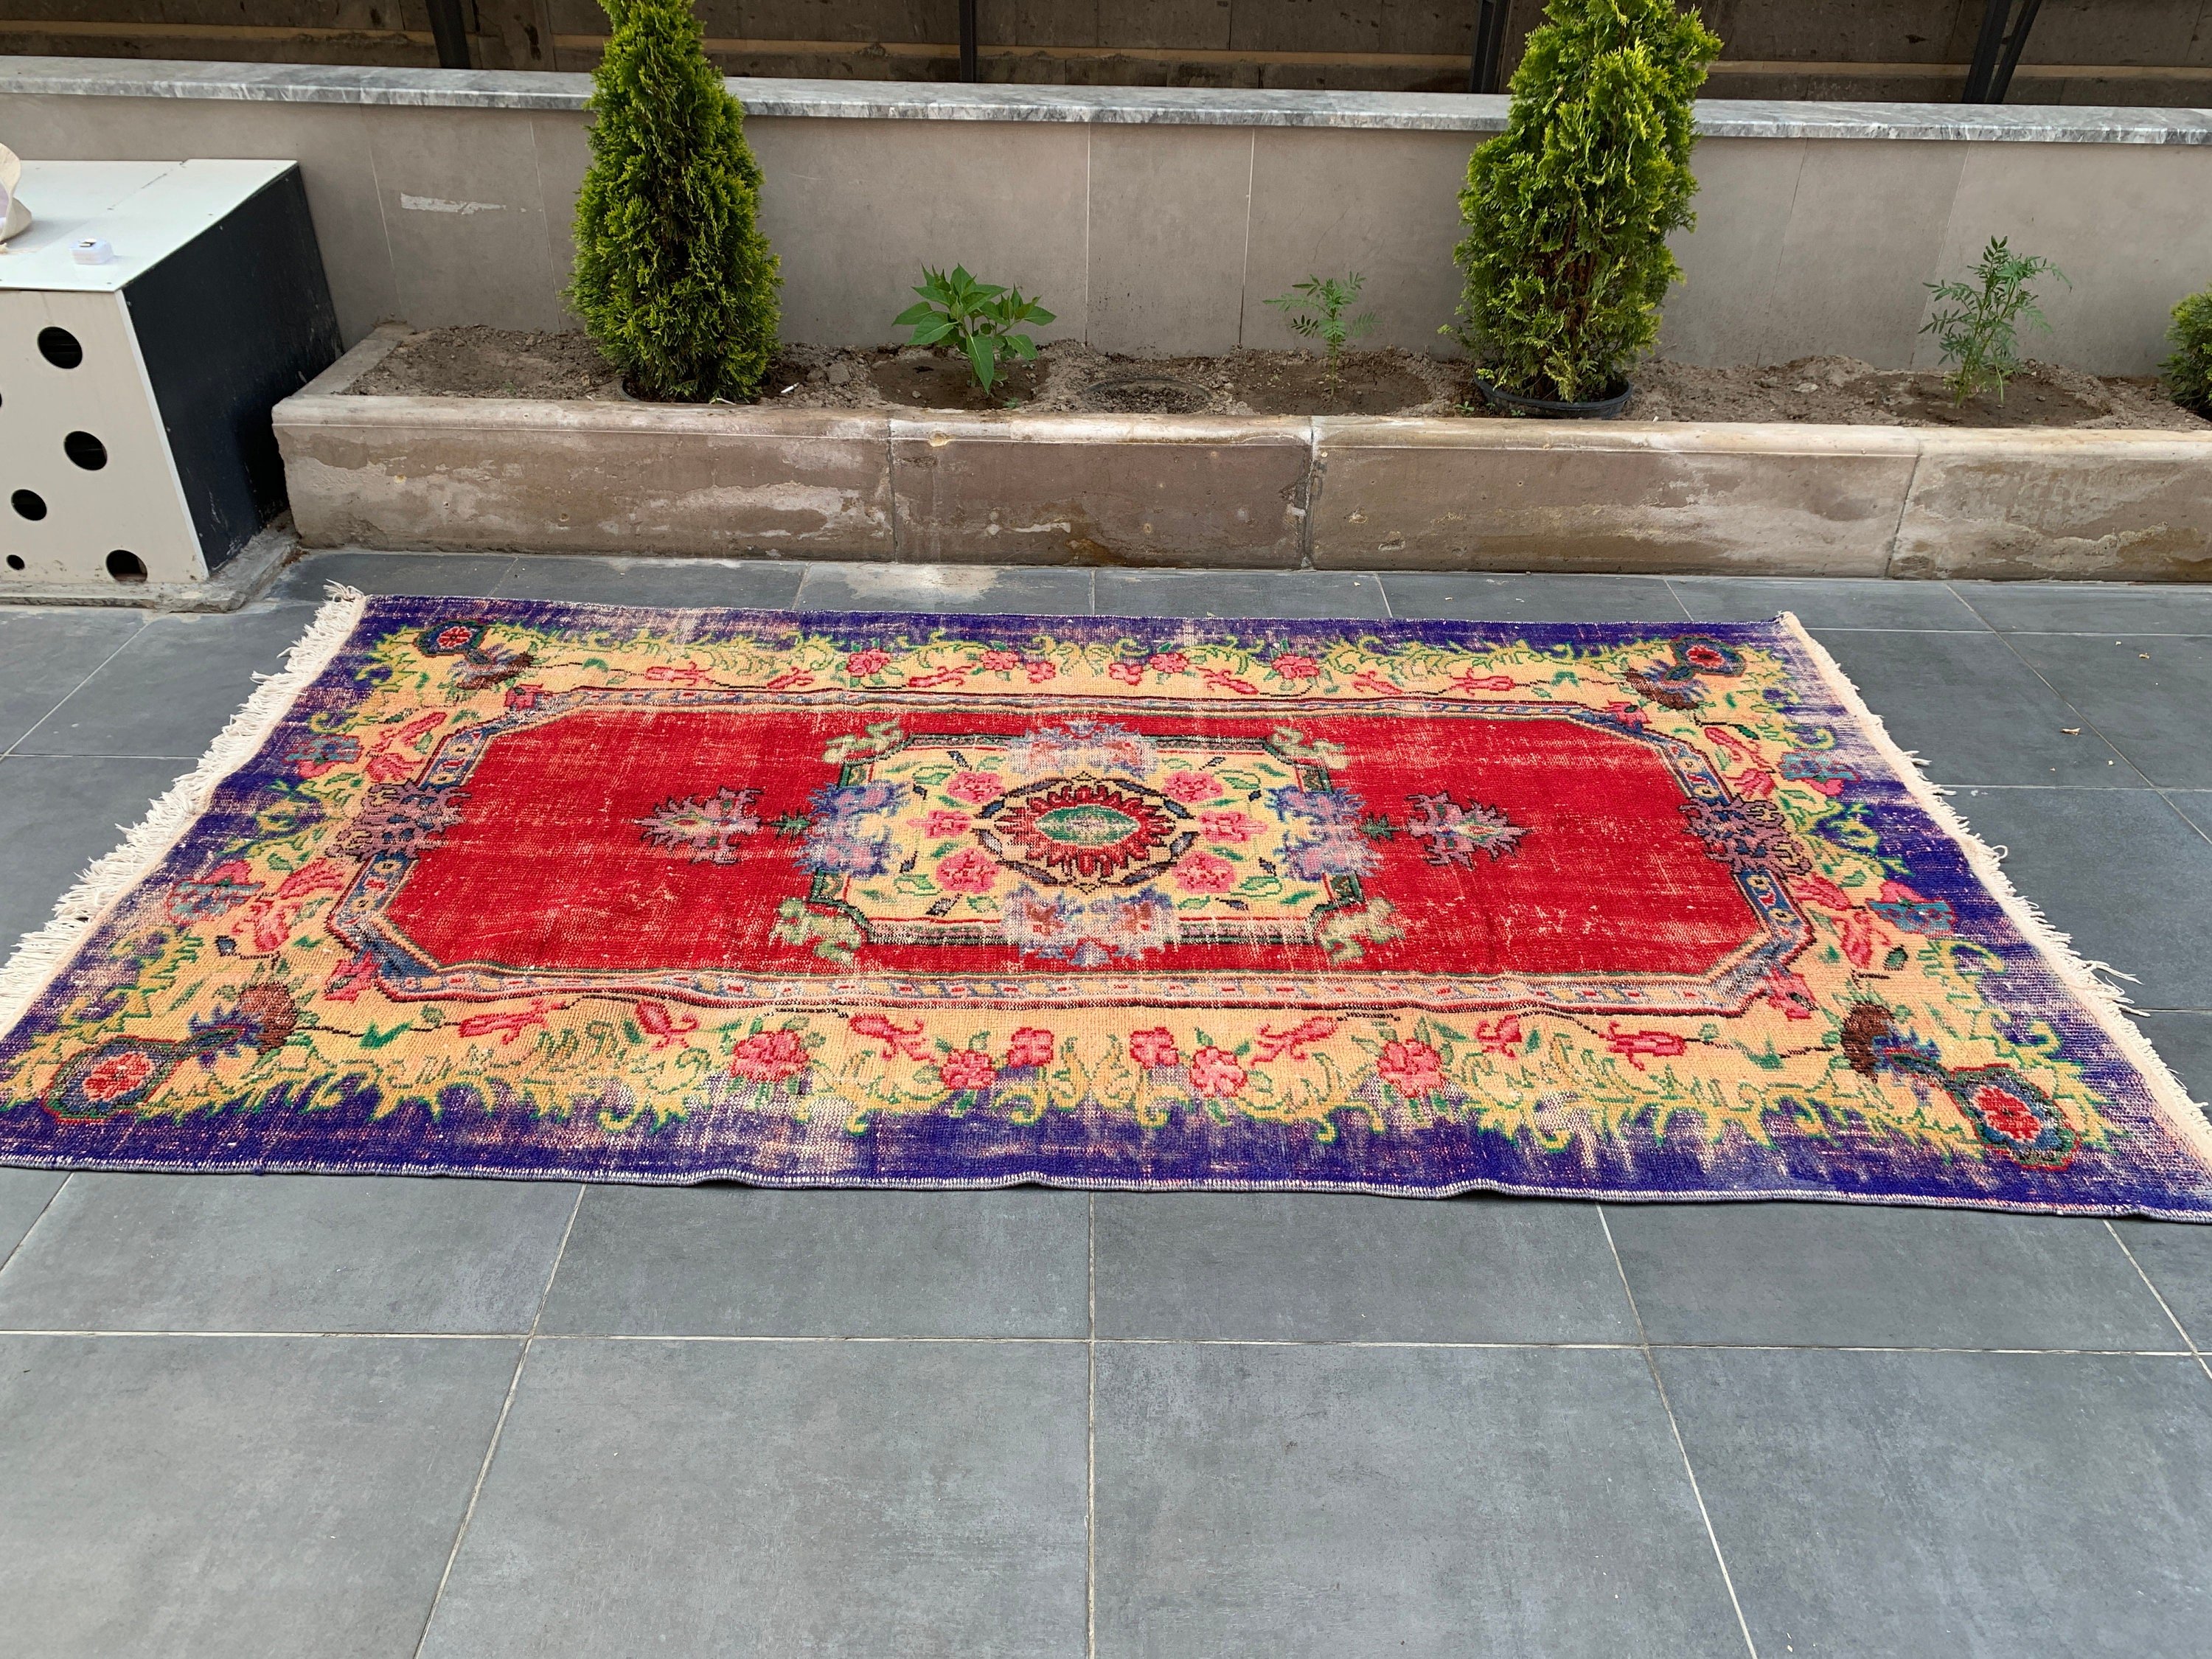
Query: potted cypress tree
{"points": [[1568, 210], [673, 278]]}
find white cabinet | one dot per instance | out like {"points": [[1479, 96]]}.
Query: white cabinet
{"points": [[135, 442]]}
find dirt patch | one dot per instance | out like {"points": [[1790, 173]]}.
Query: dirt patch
{"points": [[1844, 391], [933, 382], [1068, 377], [489, 362], [493, 362]]}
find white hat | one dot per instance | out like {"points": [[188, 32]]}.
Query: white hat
{"points": [[14, 217]]}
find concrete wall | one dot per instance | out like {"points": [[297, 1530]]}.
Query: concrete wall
{"points": [[1160, 223]]}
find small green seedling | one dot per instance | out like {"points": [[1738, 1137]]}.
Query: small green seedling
{"points": [[981, 317], [1977, 326], [1315, 310]]}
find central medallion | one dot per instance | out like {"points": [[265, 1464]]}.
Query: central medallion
{"points": [[1085, 831]]}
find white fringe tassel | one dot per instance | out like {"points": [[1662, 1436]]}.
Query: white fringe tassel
{"points": [[44, 952], [2079, 975]]}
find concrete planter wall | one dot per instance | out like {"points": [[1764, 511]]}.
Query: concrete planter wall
{"points": [[478, 473]]}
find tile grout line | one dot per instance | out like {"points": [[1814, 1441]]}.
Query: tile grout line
{"points": [[145, 620], [1652, 1363], [734, 1339], [2167, 794], [499, 1427], [35, 1220], [2087, 723], [2159, 1297], [1091, 1439]]}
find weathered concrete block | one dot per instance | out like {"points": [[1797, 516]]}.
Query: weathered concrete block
{"points": [[1458, 495], [456, 472], [2118, 506], [1101, 489]]}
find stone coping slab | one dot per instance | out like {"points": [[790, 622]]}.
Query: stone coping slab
{"points": [[1252, 491], [881, 100]]}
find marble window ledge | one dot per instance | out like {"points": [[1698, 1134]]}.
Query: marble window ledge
{"points": [[1120, 106]]}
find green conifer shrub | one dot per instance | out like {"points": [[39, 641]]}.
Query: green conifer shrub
{"points": [[673, 278], [2189, 371], [1568, 210]]}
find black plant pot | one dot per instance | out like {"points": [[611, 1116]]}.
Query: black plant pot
{"points": [[1550, 409]]}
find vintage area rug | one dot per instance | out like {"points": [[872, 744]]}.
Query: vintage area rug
{"points": [[502, 888]]}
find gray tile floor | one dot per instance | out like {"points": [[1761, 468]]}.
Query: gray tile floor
{"points": [[294, 1415]]}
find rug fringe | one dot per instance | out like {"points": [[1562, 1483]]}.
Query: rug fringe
{"points": [[44, 952], [2107, 1003]]}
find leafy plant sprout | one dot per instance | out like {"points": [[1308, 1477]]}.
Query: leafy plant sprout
{"points": [[1978, 328], [1314, 310], [982, 318]]}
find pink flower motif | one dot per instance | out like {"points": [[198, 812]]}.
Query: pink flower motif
{"points": [[967, 1069], [999, 662], [453, 637], [973, 871], [861, 664], [1411, 1068], [1129, 673], [1501, 1035], [1039, 671], [1227, 826], [1204, 873], [1635, 1047], [1154, 1048], [769, 1056], [940, 822], [1030, 1046], [976, 786], [1704, 656], [1292, 666], [523, 696], [1169, 662], [119, 1074], [2004, 1111], [1215, 1072], [1191, 787], [1629, 714]]}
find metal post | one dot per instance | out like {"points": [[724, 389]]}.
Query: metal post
{"points": [[451, 31], [1996, 50], [970, 68], [1482, 69], [2003, 84]]}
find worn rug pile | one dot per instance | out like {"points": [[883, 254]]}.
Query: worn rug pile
{"points": [[499, 888]]}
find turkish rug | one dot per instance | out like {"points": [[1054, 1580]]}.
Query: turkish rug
{"points": [[517, 889]]}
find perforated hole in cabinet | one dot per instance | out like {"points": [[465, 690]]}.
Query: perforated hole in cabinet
{"points": [[14, 561], [87, 451], [28, 504], [126, 566], [60, 347]]}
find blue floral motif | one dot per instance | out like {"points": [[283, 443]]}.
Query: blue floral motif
{"points": [[846, 838], [1325, 838]]}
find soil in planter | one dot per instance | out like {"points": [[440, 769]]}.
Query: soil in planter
{"points": [[493, 362], [1068, 378], [935, 382], [1843, 391], [1290, 383], [488, 362]]}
